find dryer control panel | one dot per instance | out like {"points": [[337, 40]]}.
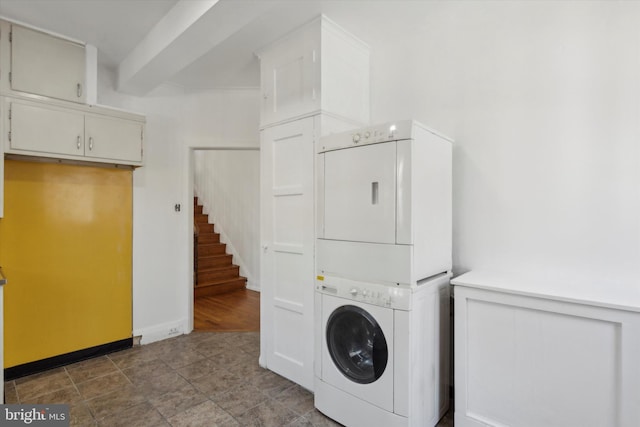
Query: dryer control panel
{"points": [[384, 295], [392, 131]]}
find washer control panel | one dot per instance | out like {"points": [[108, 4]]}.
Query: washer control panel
{"points": [[391, 295]]}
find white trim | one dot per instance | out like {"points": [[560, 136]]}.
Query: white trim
{"points": [[42, 30], [162, 331], [188, 196]]}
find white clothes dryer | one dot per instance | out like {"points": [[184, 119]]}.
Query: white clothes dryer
{"points": [[384, 201], [382, 352]]}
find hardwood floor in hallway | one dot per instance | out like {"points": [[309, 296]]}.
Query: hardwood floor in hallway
{"points": [[236, 311]]}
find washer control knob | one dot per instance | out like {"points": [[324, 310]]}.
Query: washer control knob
{"points": [[356, 137], [353, 291], [367, 134]]}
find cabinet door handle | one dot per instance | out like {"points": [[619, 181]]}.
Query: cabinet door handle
{"points": [[90, 143], [78, 142], [79, 90]]}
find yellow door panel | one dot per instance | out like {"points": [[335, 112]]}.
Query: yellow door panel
{"points": [[66, 244]]}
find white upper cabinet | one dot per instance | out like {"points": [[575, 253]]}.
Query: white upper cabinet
{"points": [[319, 68], [44, 128], [113, 138], [42, 64], [89, 134]]}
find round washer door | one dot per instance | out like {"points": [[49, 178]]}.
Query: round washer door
{"points": [[356, 344]]}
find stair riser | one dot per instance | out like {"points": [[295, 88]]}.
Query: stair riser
{"points": [[197, 209], [206, 263], [202, 291], [200, 217], [205, 228], [212, 249], [208, 238], [216, 275]]}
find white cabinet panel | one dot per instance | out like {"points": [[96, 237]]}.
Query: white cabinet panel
{"points": [[289, 82], [47, 129], [111, 138], [286, 265], [528, 361], [360, 194], [45, 65], [317, 68]]}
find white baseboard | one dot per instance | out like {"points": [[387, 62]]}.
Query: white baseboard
{"points": [[253, 286], [162, 331]]}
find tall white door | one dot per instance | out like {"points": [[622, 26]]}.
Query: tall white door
{"points": [[287, 262]]}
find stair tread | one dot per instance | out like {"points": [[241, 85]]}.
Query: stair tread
{"points": [[207, 233], [224, 267], [216, 255], [220, 281]]}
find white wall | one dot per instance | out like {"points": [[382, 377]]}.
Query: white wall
{"points": [[543, 101], [176, 122], [227, 183]]}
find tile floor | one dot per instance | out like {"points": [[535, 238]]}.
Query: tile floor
{"points": [[200, 379]]}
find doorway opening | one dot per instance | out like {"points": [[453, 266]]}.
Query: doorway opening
{"points": [[225, 224]]}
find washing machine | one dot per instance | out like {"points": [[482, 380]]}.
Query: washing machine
{"points": [[382, 352]]}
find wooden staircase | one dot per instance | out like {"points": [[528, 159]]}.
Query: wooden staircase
{"points": [[214, 272]]}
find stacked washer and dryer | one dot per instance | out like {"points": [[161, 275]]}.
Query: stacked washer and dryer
{"points": [[384, 264]]}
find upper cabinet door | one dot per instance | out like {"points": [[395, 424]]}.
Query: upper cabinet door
{"points": [[113, 138], [45, 65], [47, 129], [289, 81]]}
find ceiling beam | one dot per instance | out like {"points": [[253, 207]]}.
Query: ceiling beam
{"points": [[188, 31]]}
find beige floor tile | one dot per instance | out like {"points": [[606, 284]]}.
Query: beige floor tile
{"points": [[271, 383], [247, 371], [133, 357], [10, 394], [158, 385], [36, 385], [268, 414], [81, 415], [141, 415], [214, 341], [206, 414], [112, 403], [180, 358], [102, 385], [178, 400], [318, 419], [296, 398], [147, 371], [196, 370], [240, 399], [63, 395], [92, 368], [301, 422], [216, 384]]}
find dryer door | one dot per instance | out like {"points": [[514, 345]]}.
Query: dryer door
{"points": [[356, 344], [360, 193]]}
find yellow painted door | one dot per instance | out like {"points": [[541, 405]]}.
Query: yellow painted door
{"points": [[66, 244]]}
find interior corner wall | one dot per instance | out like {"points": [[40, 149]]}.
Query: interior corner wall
{"points": [[543, 101], [161, 242], [227, 183]]}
